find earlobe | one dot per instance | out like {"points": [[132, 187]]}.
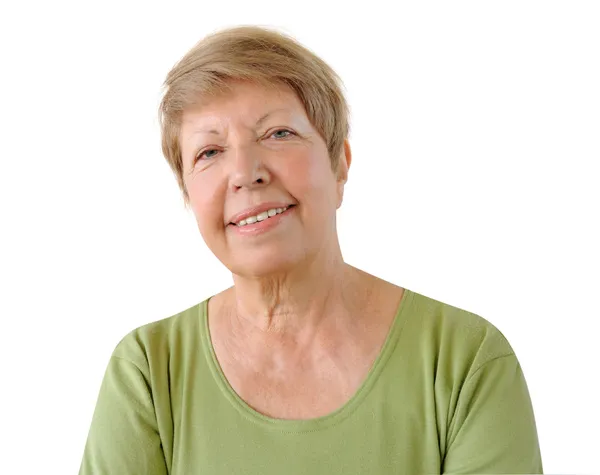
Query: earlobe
{"points": [[340, 195]]}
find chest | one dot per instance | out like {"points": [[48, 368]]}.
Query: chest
{"points": [[307, 383], [386, 429], [297, 393]]}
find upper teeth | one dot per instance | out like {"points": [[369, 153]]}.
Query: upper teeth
{"points": [[262, 216]]}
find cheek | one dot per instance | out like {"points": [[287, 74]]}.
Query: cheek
{"points": [[308, 175], [206, 203]]}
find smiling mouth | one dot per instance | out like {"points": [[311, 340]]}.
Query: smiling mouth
{"points": [[259, 220]]}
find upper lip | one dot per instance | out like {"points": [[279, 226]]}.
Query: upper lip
{"points": [[236, 218]]}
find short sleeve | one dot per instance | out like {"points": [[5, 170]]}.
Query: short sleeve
{"points": [[493, 429], [123, 437]]}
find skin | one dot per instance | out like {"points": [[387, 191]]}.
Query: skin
{"points": [[298, 332]]}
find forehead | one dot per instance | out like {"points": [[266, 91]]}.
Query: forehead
{"points": [[244, 101]]}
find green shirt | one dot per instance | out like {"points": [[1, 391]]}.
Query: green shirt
{"points": [[445, 395]]}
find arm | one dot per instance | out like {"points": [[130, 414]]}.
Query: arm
{"points": [[493, 428], [123, 438]]}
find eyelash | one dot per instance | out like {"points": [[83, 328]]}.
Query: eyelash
{"points": [[200, 155]]}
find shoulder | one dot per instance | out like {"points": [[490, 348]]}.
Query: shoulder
{"points": [[459, 341], [150, 343]]}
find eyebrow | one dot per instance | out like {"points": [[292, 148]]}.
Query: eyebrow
{"points": [[258, 122]]}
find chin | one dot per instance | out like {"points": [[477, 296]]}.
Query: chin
{"points": [[262, 267]]}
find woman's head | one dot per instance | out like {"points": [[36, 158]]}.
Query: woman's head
{"points": [[252, 119], [258, 55]]}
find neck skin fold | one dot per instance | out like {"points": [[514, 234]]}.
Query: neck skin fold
{"points": [[296, 304]]}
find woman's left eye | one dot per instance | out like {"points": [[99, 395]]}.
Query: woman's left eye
{"points": [[282, 131]]}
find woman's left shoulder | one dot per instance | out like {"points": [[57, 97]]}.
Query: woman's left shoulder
{"points": [[459, 332]]}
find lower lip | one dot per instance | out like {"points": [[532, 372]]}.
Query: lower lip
{"points": [[262, 226]]}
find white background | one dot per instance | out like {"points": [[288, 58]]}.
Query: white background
{"points": [[475, 135]]}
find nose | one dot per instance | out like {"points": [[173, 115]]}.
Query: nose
{"points": [[248, 170]]}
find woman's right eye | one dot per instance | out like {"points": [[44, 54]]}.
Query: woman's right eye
{"points": [[206, 154]]}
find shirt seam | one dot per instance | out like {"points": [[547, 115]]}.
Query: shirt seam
{"points": [[459, 402]]}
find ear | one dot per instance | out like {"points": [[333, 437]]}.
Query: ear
{"points": [[344, 163]]}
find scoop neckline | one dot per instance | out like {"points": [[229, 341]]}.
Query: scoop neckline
{"points": [[313, 424]]}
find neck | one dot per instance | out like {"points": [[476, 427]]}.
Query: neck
{"points": [[297, 302]]}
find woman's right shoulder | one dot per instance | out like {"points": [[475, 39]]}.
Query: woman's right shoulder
{"points": [[162, 339]]}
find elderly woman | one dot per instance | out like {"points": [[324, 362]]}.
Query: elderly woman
{"points": [[306, 365]]}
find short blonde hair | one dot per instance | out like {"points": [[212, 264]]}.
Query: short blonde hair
{"points": [[256, 54]]}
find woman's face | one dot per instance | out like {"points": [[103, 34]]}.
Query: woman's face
{"points": [[255, 147]]}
